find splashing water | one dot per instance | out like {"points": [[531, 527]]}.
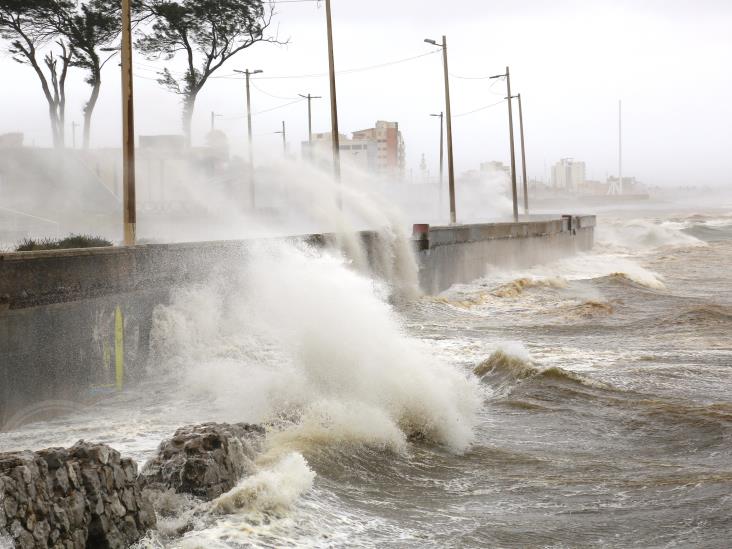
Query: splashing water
{"points": [[301, 336]]}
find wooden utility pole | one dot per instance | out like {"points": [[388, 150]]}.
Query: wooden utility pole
{"points": [[128, 130], [252, 194], [335, 139], [523, 158], [442, 155], [450, 165], [514, 190], [284, 138], [310, 115], [450, 161]]}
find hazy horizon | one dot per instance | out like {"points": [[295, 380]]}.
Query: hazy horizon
{"points": [[571, 61]]}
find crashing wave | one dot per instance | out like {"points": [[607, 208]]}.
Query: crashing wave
{"points": [[502, 368]]}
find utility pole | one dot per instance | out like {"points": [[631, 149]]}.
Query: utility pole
{"points": [[310, 115], [128, 130], [252, 194], [514, 191], [334, 136], [284, 138], [442, 154], [450, 163], [213, 123], [523, 158]]}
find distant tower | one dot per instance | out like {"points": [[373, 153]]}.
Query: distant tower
{"points": [[423, 168]]}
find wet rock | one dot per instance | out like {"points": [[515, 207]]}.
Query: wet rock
{"points": [[72, 498], [204, 460]]}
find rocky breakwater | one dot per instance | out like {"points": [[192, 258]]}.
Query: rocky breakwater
{"points": [[81, 497], [87, 496], [204, 460]]}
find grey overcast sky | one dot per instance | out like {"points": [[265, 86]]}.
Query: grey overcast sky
{"points": [[668, 60]]}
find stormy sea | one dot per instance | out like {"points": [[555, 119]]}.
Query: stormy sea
{"points": [[584, 402]]}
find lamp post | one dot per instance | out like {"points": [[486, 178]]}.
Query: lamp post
{"points": [[523, 158], [252, 195], [128, 131], [450, 164], [442, 154], [514, 191], [334, 136]]}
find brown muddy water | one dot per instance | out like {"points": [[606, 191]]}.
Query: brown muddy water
{"points": [[583, 403]]}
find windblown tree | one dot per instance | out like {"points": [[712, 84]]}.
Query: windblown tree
{"points": [[208, 33], [33, 40], [88, 29]]}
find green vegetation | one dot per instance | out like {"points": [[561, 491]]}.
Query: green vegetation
{"points": [[71, 241], [207, 32]]}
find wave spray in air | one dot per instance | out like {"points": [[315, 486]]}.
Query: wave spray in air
{"points": [[305, 343]]}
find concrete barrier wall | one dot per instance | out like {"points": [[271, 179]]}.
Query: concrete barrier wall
{"points": [[75, 324], [454, 255]]}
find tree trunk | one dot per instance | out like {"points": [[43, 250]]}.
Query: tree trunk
{"points": [[55, 126], [89, 108], [189, 104]]}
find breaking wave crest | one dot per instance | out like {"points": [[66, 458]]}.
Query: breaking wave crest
{"points": [[272, 490], [504, 370], [643, 235], [644, 278], [517, 287]]}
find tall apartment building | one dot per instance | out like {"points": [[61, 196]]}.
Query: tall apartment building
{"points": [[390, 149], [568, 174], [361, 155], [378, 150]]}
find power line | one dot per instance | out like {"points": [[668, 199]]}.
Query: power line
{"points": [[145, 77], [238, 116], [269, 94], [478, 109], [470, 77], [346, 71]]}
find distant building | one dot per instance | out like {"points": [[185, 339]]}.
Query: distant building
{"points": [[390, 149], [379, 150], [495, 167], [568, 174], [629, 185], [358, 154], [11, 140]]}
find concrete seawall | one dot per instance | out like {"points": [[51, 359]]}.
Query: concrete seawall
{"points": [[75, 324], [452, 255]]}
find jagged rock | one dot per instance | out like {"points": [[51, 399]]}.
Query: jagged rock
{"points": [[83, 496], [204, 460]]}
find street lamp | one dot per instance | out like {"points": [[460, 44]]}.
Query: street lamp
{"points": [[507, 76], [248, 73], [450, 165], [523, 158], [334, 136], [442, 119]]}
